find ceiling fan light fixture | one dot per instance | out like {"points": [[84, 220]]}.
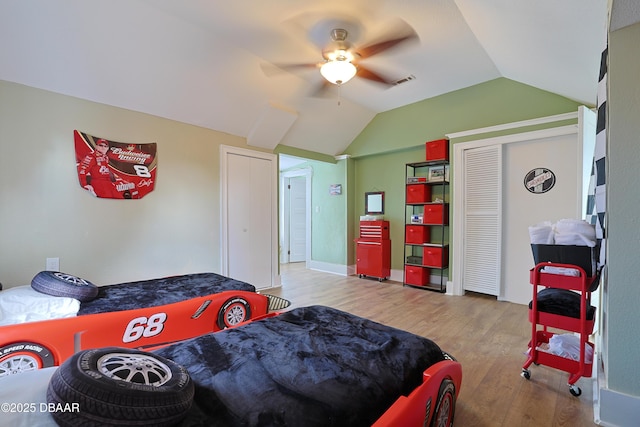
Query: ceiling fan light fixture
{"points": [[338, 71]]}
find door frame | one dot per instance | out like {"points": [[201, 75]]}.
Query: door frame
{"points": [[284, 178], [458, 190], [225, 151]]}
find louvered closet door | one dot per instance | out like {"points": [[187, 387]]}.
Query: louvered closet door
{"points": [[482, 220]]}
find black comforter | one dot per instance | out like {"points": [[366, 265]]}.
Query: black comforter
{"points": [[311, 366], [149, 293]]}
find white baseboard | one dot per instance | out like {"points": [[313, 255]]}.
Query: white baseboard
{"points": [[350, 270], [328, 267], [615, 409], [612, 408]]}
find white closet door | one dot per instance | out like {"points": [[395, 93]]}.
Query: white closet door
{"points": [[249, 217], [482, 219]]}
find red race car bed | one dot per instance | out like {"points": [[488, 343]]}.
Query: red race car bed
{"points": [[311, 366], [140, 314]]}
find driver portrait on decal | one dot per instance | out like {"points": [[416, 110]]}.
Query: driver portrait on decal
{"points": [[97, 177]]}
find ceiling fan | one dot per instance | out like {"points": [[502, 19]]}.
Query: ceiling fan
{"points": [[342, 61]]}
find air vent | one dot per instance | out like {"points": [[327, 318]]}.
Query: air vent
{"points": [[404, 80]]}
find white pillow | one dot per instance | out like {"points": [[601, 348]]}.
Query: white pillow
{"points": [[25, 304]]}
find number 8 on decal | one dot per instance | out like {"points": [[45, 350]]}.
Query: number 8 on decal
{"points": [[142, 171]]}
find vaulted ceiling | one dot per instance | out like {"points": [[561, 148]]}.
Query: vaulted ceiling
{"points": [[206, 62]]}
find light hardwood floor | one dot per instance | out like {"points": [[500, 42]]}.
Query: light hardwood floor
{"points": [[488, 337]]}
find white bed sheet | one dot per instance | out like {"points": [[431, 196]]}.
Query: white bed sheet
{"points": [[24, 304]]}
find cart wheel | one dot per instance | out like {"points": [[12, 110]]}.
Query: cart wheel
{"points": [[575, 390], [526, 374]]}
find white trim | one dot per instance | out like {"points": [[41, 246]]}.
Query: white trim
{"points": [[328, 267], [615, 409], [225, 150], [307, 172], [458, 199], [514, 125]]}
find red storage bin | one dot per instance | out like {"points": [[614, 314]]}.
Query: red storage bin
{"points": [[418, 193], [435, 256], [416, 234], [436, 213], [414, 275], [437, 150]]}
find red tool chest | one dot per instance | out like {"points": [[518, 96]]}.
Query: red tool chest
{"points": [[373, 250]]}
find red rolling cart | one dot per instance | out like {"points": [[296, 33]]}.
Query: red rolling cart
{"points": [[580, 320]]}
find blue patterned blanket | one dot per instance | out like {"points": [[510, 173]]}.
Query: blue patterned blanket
{"points": [[149, 293], [311, 366]]}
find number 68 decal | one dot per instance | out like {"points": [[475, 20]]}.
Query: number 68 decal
{"points": [[144, 327]]}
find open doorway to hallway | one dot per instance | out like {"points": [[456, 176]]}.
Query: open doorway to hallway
{"points": [[295, 211]]}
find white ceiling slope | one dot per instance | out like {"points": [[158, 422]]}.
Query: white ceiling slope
{"points": [[201, 61]]}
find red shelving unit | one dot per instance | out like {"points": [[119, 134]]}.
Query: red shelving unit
{"points": [[426, 251]]}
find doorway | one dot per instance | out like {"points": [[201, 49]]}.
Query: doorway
{"points": [[295, 216]]}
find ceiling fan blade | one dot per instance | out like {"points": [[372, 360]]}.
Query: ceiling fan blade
{"points": [[271, 69], [401, 33], [368, 74]]}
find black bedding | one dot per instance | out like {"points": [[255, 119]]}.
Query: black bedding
{"points": [[147, 293], [562, 302], [311, 366]]}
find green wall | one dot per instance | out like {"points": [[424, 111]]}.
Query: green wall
{"points": [[491, 103], [386, 172], [375, 160], [397, 137], [623, 227], [330, 230]]}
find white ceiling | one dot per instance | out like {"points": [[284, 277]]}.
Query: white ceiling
{"points": [[201, 61]]}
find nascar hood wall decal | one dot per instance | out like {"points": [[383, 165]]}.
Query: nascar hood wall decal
{"points": [[115, 170]]}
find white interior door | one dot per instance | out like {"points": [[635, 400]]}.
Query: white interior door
{"points": [[297, 219], [562, 156], [249, 250]]}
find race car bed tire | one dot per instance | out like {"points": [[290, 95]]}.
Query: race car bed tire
{"points": [[446, 405], [60, 284], [120, 386], [24, 356], [234, 311]]}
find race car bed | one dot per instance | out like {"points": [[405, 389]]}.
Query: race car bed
{"points": [[311, 366], [138, 314]]}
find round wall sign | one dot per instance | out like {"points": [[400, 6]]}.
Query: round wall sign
{"points": [[539, 180]]}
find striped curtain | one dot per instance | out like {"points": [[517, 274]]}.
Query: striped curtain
{"points": [[596, 201]]}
